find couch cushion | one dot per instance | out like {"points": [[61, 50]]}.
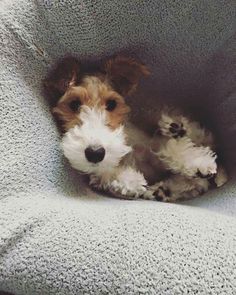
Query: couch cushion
{"points": [[69, 246]]}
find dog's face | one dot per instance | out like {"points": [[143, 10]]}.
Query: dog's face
{"points": [[91, 110]]}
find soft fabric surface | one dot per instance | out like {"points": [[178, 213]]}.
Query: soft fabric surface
{"points": [[58, 237]]}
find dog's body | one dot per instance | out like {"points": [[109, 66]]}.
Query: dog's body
{"points": [[165, 167], [119, 158]]}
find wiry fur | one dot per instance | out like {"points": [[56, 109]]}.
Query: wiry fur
{"points": [[124, 182], [175, 163], [184, 157], [93, 130]]}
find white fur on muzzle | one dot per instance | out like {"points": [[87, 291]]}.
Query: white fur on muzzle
{"points": [[94, 131]]}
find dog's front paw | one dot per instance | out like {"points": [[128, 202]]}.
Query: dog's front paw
{"points": [[172, 127], [176, 130], [128, 184], [122, 190]]}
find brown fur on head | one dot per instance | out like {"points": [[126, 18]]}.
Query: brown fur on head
{"points": [[69, 89], [124, 73]]}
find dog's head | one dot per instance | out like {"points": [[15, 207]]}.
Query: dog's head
{"points": [[91, 109]]}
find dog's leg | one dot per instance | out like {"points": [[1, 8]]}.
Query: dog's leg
{"points": [[126, 183], [182, 156], [177, 187], [176, 126]]}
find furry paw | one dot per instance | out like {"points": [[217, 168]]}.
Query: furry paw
{"points": [[159, 192], [95, 182], [176, 130], [172, 127], [128, 184], [182, 156], [206, 169], [122, 190], [207, 175], [162, 194]]}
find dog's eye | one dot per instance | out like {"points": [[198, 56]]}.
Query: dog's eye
{"points": [[74, 105], [111, 105]]}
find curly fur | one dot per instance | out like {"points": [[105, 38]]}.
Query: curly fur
{"points": [[94, 131], [91, 110]]}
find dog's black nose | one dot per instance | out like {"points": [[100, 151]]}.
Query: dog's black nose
{"points": [[94, 154]]}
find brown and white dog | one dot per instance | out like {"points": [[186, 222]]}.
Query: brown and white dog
{"points": [[98, 139]]}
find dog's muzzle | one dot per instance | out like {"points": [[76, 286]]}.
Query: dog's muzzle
{"points": [[94, 154]]}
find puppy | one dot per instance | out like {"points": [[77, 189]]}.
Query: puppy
{"points": [[98, 139]]}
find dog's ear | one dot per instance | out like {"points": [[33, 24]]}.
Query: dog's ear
{"points": [[124, 73], [64, 75]]}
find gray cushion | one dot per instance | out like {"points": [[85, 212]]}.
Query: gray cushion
{"points": [[58, 237]]}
